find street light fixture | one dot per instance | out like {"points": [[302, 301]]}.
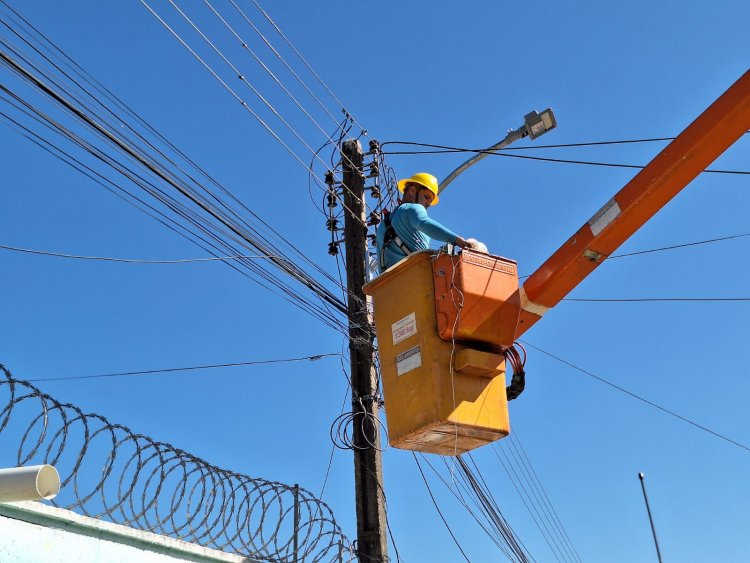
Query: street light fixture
{"points": [[534, 125], [537, 124]]}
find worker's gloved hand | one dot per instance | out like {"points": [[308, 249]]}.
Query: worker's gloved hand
{"points": [[463, 243], [478, 246], [471, 243]]}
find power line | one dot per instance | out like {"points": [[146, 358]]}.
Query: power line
{"points": [[283, 61], [667, 248], [534, 495], [222, 233], [133, 260], [523, 486], [514, 438], [70, 63], [487, 514], [608, 164], [631, 394], [440, 513], [265, 67], [445, 149], [242, 78], [229, 88], [191, 368], [302, 58], [684, 245], [450, 149], [488, 506]]}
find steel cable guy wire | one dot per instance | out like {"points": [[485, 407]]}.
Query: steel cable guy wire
{"points": [[109, 472]]}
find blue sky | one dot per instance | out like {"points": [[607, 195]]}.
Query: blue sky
{"points": [[435, 72]]}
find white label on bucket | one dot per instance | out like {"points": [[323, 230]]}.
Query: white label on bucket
{"points": [[409, 360], [404, 328]]}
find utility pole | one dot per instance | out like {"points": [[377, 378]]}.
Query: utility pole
{"points": [[368, 472]]}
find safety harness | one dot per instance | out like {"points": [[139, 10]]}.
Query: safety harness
{"points": [[389, 237]]}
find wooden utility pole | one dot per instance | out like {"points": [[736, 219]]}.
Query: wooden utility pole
{"points": [[368, 472]]}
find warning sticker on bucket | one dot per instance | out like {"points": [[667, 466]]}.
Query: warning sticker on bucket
{"points": [[409, 360], [404, 328]]}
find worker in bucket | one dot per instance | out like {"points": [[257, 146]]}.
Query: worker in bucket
{"points": [[407, 228]]}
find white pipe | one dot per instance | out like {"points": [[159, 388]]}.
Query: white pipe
{"points": [[35, 482]]}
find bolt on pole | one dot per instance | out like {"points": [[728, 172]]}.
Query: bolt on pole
{"points": [[368, 474], [650, 519]]}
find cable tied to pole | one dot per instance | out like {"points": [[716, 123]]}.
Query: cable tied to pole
{"points": [[342, 428], [517, 360]]}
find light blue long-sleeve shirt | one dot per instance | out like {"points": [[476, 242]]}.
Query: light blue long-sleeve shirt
{"points": [[414, 228]]}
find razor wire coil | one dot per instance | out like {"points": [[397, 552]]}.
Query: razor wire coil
{"points": [[109, 472]]}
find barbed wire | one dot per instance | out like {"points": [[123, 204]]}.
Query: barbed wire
{"points": [[109, 472]]}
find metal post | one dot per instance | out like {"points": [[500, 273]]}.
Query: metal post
{"points": [[296, 522], [650, 519], [368, 477]]}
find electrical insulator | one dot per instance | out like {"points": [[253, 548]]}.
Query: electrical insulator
{"points": [[374, 170], [329, 178], [332, 224], [333, 248], [374, 219], [331, 197], [374, 146], [376, 192]]}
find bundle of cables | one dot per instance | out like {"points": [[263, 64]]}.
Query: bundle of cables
{"points": [[342, 428], [516, 360]]}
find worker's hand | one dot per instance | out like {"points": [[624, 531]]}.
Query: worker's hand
{"points": [[463, 243]]}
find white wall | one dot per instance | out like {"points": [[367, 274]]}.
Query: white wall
{"points": [[31, 532]]}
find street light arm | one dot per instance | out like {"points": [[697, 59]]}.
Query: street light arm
{"points": [[511, 137], [535, 125]]}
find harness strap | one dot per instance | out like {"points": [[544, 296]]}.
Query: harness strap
{"points": [[389, 237]]}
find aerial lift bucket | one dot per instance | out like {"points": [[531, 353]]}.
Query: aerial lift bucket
{"points": [[443, 322]]}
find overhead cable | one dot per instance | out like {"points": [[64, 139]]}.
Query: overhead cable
{"points": [[517, 445], [485, 511], [666, 248], [505, 152], [476, 484], [608, 164], [242, 78], [450, 149], [190, 368], [526, 483], [173, 180], [304, 60], [86, 77], [675, 246], [440, 513], [265, 67], [226, 86], [638, 397], [132, 260]]}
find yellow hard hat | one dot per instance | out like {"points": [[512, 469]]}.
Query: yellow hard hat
{"points": [[423, 179]]}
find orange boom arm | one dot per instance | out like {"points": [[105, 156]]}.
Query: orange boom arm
{"points": [[714, 131]]}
